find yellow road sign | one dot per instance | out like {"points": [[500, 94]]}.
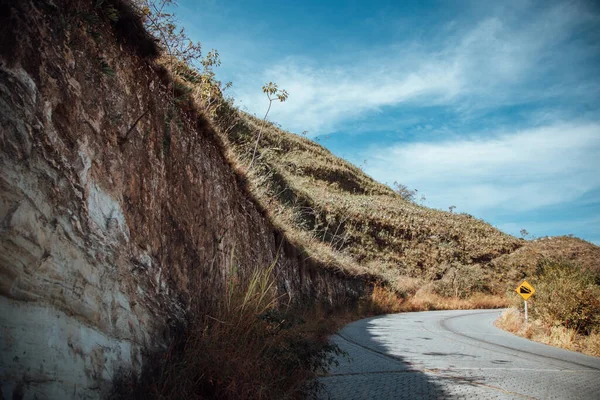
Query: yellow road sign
{"points": [[525, 290]]}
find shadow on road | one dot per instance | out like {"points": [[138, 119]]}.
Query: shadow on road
{"points": [[452, 354], [373, 369]]}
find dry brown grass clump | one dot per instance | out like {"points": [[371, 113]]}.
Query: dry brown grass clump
{"points": [[246, 346], [432, 301], [512, 320], [384, 300]]}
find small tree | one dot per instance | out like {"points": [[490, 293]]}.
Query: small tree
{"points": [[451, 208], [183, 55], [524, 233], [404, 192], [273, 93], [163, 26]]}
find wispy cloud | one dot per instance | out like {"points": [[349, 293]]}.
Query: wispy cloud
{"points": [[320, 98], [514, 172], [478, 64]]}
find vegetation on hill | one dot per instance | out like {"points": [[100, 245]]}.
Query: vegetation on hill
{"points": [[564, 311], [526, 259], [349, 221], [340, 216]]}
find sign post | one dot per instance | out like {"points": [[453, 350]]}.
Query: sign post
{"points": [[526, 291]]}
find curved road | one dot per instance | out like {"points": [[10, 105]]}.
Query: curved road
{"points": [[453, 355]]}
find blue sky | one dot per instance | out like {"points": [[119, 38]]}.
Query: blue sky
{"points": [[491, 106]]}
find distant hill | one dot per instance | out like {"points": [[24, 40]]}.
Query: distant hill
{"points": [[525, 260]]}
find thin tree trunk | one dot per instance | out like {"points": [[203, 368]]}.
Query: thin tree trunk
{"points": [[259, 134]]}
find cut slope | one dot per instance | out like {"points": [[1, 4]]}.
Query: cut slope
{"points": [[332, 207]]}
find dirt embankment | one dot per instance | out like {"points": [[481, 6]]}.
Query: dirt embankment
{"points": [[119, 210]]}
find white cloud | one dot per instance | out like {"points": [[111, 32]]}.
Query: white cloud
{"points": [[489, 62], [321, 97], [517, 171]]}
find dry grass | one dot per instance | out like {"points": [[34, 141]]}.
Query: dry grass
{"points": [[341, 216], [512, 320], [567, 295], [432, 301], [592, 345], [248, 346], [563, 311], [386, 301]]}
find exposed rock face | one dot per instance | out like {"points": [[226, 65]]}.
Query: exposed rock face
{"points": [[111, 228]]}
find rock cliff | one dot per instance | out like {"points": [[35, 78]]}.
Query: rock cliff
{"points": [[118, 207]]}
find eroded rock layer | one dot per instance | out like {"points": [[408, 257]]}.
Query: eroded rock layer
{"points": [[118, 208]]}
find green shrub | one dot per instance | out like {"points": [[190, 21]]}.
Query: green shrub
{"points": [[567, 295]]}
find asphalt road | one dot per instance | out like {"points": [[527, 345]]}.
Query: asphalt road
{"points": [[453, 355]]}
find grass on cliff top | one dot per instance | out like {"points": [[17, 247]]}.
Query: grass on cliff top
{"points": [[344, 218]]}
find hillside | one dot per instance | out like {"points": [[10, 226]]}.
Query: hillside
{"points": [[346, 219], [355, 224], [560, 248]]}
